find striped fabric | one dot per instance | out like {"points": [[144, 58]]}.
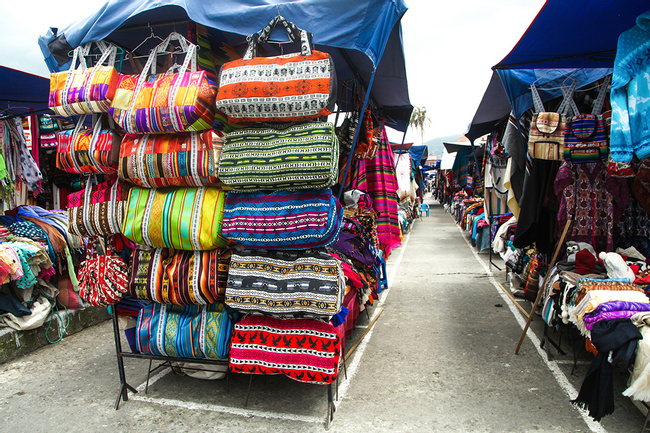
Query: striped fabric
{"points": [[282, 219], [287, 88], [189, 331], [546, 136], [377, 177], [183, 159], [303, 350], [285, 283], [192, 108], [90, 90], [79, 154], [179, 218], [98, 210], [585, 139], [297, 157], [179, 277]]}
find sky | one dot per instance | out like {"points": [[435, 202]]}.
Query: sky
{"points": [[449, 46]]}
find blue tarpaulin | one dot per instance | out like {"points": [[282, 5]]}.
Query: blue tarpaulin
{"points": [[22, 93], [361, 36]]}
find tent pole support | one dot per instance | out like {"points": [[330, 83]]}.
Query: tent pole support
{"points": [[356, 134], [401, 146]]}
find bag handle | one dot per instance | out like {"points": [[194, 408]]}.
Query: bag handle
{"points": [[600, 100], [568, 104], [190, 60], [295, 34], [537, 100], [88, 195]]}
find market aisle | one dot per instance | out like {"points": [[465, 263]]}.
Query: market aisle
{"points": [[439, 359]]}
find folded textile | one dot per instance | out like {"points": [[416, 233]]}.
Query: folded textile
{"points": [[639, 388]]}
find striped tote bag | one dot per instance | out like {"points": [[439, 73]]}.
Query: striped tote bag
{"points": [[98, 210], [302, 156], [179, 218], [179, 277], [283, 219]]}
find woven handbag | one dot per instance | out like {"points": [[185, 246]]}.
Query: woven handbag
{"points": [[82, 150], [179, 277], [298, 156], [159, 160], [168, 102], [84, 90], [187, 331], [288, 88], [187, 218], [284, 283], [98, 210], [103, 280], [546, 137], [303, 350], [283, 219]]}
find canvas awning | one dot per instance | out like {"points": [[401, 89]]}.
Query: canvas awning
{"points": [[22, 93]]}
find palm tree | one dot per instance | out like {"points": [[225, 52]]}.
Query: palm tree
{"points": [[419, 120]]}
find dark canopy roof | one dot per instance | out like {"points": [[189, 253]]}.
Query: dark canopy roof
{"points": [[574, 34], [361, 36], [22, 93]]}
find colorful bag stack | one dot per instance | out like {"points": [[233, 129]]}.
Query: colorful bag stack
{"points": [[280, 273]]}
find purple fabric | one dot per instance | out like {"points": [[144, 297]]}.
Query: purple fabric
{"points": [[619, 306], [608, 315]]}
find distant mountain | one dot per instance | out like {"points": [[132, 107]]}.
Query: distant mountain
{"points": [[435, 145]]}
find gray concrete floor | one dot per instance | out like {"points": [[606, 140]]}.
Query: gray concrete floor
{"points": [[439, 359]]}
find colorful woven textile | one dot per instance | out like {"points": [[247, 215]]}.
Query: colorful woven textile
{"points": [[546, 137], [179, 218], [377, 177], [97, 210], [304, 350], [179, 277], [164, 103], [287, 88], [285, 283], [88, 151], [82, 90], [296, 157], [184, 159], [189, 331], [102, 279], [585, 139], [282, 219]]}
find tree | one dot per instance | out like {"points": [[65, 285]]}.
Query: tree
{"points": [[419, 120]]}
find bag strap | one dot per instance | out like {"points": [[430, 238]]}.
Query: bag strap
{"points": [[537, 100], [88, 194], [568, 104], [92, 146], [75, 133], [600, 100], [295, 34]]}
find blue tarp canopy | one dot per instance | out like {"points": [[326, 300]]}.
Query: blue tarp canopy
{"points": [[22, 93], [361, 36], [574, 34], [566, 41]]}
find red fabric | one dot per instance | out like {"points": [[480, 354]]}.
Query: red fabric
{"points": [[585, 262]]}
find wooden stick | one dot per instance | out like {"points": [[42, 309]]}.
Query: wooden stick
{"points": [[512, 298], [539, 292], [349, 352]]}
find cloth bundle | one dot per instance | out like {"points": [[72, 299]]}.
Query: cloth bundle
{"points": [[285, 283], [189, 331], [302, 219], [302, 156], [184, 159], [301, 349], [179, 277], [188, 218]]}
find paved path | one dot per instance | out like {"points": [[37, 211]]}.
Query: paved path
{"points": [[439, 359]]}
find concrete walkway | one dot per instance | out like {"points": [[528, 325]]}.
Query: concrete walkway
{"points": [[439, 359]]}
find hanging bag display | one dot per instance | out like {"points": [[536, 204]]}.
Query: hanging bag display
{"points": [[288, 88], [182, 159], [283, 219], [285, 283], [292, 157], [99, 209], [179, 277], [103, 279], [187, 218], [84, 151], [187, 331], [303, 350], [585, 137], [84, 90], [152, 103]]}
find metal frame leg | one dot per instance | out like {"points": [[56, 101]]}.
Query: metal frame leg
{"points": [[124, 387]]}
